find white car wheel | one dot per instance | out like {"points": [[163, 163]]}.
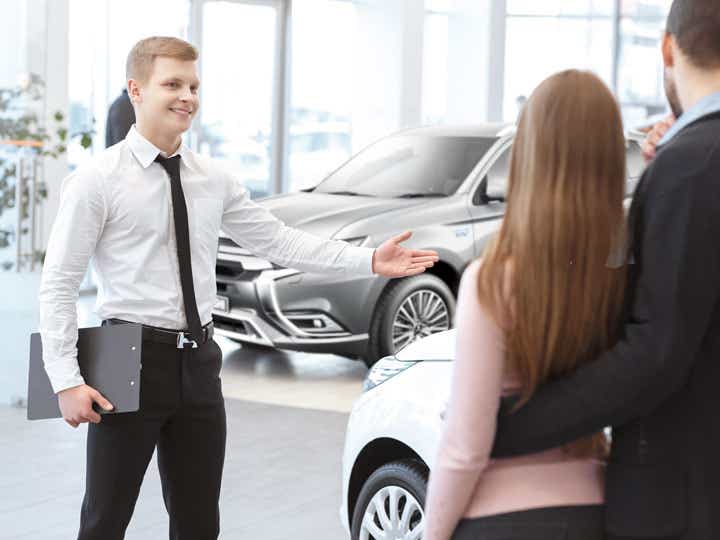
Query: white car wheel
{"points": [[390, 504], [393, 514]]}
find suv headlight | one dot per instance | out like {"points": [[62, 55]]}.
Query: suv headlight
{"points": [[385, 369]]}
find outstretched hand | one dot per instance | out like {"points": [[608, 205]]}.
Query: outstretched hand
{"points": [[392, 260]]}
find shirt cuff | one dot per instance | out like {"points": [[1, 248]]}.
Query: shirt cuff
{"points": [[61, 379], [361, 260]]}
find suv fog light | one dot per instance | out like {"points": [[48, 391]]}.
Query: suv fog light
{"points": [[384, 369]]}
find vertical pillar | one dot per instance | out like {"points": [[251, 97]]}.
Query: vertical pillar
{"points": [[412, 32], [476, 58], [47, 55]]}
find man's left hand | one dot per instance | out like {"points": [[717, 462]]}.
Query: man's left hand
{"points": [[392, 260], [654, 137]]}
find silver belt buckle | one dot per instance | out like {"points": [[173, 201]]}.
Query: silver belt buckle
{"points": [[182, 341]]}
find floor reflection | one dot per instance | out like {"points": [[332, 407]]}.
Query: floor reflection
{"points": [[296, 379], [289, 378]]}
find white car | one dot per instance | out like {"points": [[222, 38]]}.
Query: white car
{"points": [[392, 438]]}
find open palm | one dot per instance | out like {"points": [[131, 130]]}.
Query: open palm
{"points": [[393, 260]]}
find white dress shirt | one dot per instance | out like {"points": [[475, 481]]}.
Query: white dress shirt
{"points": [[116, 211]]}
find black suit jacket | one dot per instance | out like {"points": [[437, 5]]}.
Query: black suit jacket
{"points": [[659, 386]]}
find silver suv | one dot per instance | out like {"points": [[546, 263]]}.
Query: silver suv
{"points": [[445, 184]]}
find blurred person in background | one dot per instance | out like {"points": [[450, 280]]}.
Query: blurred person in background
{"points": [[121, 117]]}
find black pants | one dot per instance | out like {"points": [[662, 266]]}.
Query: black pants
{"points": [[554, 523], [182, 413]]}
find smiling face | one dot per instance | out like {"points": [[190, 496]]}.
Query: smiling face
{"points": [[166, 103]]}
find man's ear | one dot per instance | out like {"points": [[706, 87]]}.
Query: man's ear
{"points": [[668, 42], [134, 91]]}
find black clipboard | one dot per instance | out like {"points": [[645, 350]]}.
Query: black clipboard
{"points": [[109, 359]]}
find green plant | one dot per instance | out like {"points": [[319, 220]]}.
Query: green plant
{"points": [[19, 121]]}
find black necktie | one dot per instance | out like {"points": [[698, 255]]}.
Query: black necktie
{"points": [[182, 238]]}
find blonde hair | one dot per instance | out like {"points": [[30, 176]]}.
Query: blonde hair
{"points": [[143, 54], [564, 218]]}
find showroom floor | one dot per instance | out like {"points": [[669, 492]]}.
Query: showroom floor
{"points": [[287, 414]]}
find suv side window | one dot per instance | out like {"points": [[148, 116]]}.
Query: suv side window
{"points": [[494, 186]]}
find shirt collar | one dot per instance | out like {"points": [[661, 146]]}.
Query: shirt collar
{"points": [[146, 152], [708, 105]]}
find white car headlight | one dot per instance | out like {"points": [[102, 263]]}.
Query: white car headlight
{"points": [[385, 369]]}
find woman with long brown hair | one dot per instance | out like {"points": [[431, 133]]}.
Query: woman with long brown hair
{"points": [[546, 296]]}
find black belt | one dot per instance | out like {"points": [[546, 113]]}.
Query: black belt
{"points": [[178, 338]]}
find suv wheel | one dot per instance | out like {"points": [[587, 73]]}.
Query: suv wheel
{"points": [[409, 309], [390, 504]]}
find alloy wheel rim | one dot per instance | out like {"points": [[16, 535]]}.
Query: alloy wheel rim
{"points": [[392, 514], [421, 314]]}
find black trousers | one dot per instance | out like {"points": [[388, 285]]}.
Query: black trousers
{"points": [[553, 523], [182, 414]]}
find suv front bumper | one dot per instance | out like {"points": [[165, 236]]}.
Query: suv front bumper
{"points": [[288, 309]]}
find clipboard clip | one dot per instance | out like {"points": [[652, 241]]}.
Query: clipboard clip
{"points": [[182, 341]]}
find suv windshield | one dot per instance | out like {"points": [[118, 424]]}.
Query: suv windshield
{"points": [[409, 166]]}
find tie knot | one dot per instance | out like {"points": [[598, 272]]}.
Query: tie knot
{"points": [[171, 165]]}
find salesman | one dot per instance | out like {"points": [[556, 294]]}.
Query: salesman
{"points": [[148, 211]]}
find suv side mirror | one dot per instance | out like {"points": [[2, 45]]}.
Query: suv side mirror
{"points": [[483, 196]]}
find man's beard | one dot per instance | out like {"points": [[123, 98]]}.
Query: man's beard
{"points": [[672, 95]]}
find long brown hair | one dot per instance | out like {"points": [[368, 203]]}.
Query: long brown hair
{"points": [[545, 276]]}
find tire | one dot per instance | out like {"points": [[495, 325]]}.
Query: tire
{"points": [[404, 482], [392, 299]]}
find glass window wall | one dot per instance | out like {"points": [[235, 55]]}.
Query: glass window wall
{"points": [[322, 89], [236, 107], [619, 40], [640, 72]]}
